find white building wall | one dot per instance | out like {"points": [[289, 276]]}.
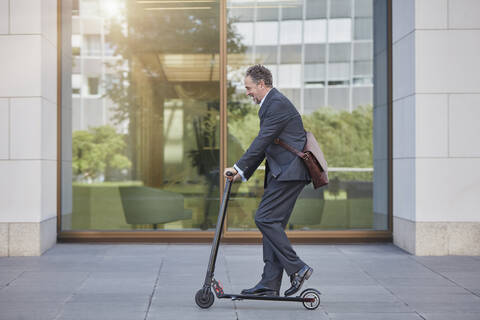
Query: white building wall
{"points": [[436, 132], [436, 107], [28, 126]]}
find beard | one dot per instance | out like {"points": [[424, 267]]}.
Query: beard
{"points": [[255, 100]]}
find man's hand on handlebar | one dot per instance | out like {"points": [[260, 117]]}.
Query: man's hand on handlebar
{"points": [[234, 174]]}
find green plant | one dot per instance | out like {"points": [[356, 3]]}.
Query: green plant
{"points": [[98, 151], [345, 138]]}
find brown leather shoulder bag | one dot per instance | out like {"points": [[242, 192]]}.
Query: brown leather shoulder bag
{"points": [[313, 158]]}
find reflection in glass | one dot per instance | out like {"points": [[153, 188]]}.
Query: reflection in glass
{"points": [[145, 115], [140, 108], [291, 32], [324, 65]]}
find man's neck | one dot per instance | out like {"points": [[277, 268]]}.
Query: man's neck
{"points": [[268, 90], [263, 99]]}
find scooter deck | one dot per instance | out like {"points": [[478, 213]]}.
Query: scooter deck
{"points": [[270, 298]]}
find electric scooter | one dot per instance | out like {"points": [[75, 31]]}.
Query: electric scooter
{"points": [[310, 298]]}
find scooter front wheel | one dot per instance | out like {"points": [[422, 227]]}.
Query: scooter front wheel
{"points": [[314, 297], [204, 301]]}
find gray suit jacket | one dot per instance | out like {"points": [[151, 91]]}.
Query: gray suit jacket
{"points": [[278, 119]]}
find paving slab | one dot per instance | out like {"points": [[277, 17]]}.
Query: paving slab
{"points": [[159, 281], [450, 316], [376, 316], [123, 310], [16, 310]]}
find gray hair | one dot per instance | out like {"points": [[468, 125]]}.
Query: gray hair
{"points": [[259, 72]]}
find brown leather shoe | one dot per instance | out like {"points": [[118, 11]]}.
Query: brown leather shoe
{"points": [[297, 279]]}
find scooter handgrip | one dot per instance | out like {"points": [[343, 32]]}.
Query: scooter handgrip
{"points": [[229, 173]]}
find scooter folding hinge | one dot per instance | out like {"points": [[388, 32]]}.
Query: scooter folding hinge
{"points": [[217, 288]]}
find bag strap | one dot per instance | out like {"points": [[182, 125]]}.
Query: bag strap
{"points": [[289, 148]]}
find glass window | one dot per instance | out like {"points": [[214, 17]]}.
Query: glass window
{"points": [[340, 9], [295, 13], [76, 40], [363, 29], [315, 31], [291, 54], [76, 64], [89, 8], [315, 74], [338, 98], [92, 114], [347, 203], [266, 54], [241, 14], [267, 14], [362, 68], [362, 96], [291, 32], [91, 26], [266, 33], [92, 45], [75, 7], [316, 9], [289, 75], [363, 8], [339, 30], [93, 83], [76, 25], [363, 51], [109, 49], [145, 123], [111, 80], [293, 95], [76, 44], [244, 30], [314, 99], [339, 52], [314, 53], [362, 81], [338, 71], [76, 83], [145, 141]]}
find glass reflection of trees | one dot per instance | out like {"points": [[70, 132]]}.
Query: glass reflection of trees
{"points": [[169, 62]]}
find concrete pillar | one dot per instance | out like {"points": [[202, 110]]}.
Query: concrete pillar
{"points": [[436, 108], [380, 115], [28, 126]]}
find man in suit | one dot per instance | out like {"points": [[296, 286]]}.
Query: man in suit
{"points": [[285, 177]]}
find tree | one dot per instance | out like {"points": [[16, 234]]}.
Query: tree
{"points": [[97, 151], [144, 84], [345, 138]]}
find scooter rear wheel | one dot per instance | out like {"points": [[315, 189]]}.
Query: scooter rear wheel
{"points": [[312, 294], [203, 301]]}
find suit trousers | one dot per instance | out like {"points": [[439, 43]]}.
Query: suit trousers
{"points": [[271, 219]]}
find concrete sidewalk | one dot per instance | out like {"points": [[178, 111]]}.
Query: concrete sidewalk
{"points": [[380, 281]]}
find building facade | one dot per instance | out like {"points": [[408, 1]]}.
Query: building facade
{"points": [[117, 117]]}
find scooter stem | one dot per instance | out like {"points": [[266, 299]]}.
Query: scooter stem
{"points": [[218, 233]]}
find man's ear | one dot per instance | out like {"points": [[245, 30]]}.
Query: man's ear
{"points": [[262, 83]]}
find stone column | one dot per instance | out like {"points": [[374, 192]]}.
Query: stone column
{"points": [[28, 126], [436, 110]]}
